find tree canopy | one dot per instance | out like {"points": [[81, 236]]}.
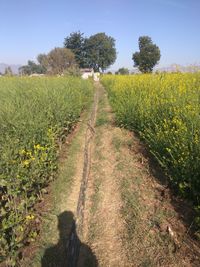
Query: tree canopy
{"points": [[148, 56], [76, 42], [31, 68], [97, 52], [59, 60], [101, 51], [43, 61]]}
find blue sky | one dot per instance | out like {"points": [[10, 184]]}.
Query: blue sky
{"points": [[30, 27]]}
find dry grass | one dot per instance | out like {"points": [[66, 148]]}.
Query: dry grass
{"points": [[154, 231]]}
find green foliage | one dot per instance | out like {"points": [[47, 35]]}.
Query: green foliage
{"points": [[43, 61], [97, 52], [73, 71], [59, 60], [76, 43], [36, 114], [101, 51], [164, 109], [123, 71], [148, 56], [31, 68]]}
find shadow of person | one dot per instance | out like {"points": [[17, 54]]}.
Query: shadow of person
{"points": [[66, 253]]}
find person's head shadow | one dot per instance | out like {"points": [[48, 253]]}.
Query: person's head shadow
{"points": [[69, 251]]}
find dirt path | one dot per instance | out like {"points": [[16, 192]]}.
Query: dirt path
{"points": [[130, 217], [103, 224], [111, 205]]}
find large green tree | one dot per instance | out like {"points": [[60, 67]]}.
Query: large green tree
{"points": [[148, 56], [100, 51], [76, 43]]}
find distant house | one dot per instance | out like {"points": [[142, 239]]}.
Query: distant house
{"points": [[86, 73]]}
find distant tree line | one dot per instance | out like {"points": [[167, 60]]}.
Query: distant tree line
{"points": [[97, 52], [122, 71]]}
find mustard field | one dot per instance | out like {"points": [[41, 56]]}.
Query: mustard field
{"points": [[164, 109]]}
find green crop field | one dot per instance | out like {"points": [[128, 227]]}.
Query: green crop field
{"points": [[36, 114], [165, 110]]}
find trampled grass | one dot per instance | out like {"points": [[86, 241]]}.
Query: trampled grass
{"points": [[165, 110], [36, 114]]}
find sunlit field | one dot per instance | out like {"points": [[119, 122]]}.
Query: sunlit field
{"points": [[36, 114], [165, 110]]}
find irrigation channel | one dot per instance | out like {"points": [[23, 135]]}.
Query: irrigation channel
{"points": [[77, 225]]}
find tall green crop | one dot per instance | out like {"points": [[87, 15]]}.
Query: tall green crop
{"points": [[165, 110], [35, 114]]}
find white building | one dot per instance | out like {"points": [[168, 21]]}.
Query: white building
{"points": [[86, 73]]}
